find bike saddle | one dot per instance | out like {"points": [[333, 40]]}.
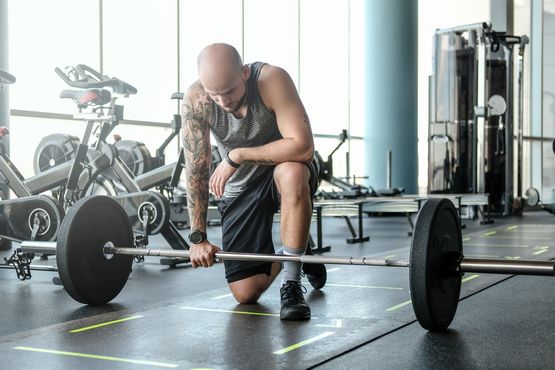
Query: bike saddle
{"points": [[88, 96]]}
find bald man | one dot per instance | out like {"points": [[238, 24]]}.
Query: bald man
{"points": [[263, 134]]}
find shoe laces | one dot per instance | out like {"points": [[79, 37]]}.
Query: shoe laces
{"points": [[293, 290]]}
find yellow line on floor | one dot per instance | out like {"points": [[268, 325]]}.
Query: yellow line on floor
{"points": [[481, 256], [338, 323], [96, 357], [229, 311], [515, 237], [471, 277], [495, 245], [105, 324], [400, 305], [490, 233], [364, 286], [540, 252], [333, 269], [512, 227], [403, 304], [466, 239], [304, 343], [529, 231], [390, 256], [223, 296]]}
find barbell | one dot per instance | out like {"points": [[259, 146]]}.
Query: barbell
{"points": [[95, 249]]}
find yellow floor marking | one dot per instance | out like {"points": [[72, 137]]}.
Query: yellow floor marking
{"points": [[471, 277], [396, 307], [391, 256], [223, 296], [490, 233], [512, 227], [95, 357], [364, 286], [338, 323], [495, 245], [539, 231], [466, 239], [304, 343], [229, 311], [401, 305], [517, 237], [105, 324], [333, 269], [481, 256], [512, 257], [541, 249]]}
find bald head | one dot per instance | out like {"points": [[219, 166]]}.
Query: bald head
{"points": [[217, 57], [223, 76]]}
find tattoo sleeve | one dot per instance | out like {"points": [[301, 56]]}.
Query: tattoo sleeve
{"points": [[262, 162], [196, 147]]}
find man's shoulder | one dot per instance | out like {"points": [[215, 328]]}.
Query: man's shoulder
{"points": [[272, 71], [195, 91]]}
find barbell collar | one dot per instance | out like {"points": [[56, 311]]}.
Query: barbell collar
{"points": [[38, 247], [33, 267], [509, 267]]}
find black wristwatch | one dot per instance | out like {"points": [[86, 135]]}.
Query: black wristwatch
{"points": [[197, 237]]}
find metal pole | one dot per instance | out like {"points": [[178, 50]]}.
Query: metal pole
{"points": [[491, 266], [32, 267], [485, 265], [388, 170], [38, 247], [4, 94], [222, 256], [510, 267]]}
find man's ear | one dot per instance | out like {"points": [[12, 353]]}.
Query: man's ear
{"points": [[246, 72]]}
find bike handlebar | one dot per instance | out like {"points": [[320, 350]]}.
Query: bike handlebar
{"points": [[84, 77]]}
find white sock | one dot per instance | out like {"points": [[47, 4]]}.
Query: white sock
{"points": [[291, 270]]}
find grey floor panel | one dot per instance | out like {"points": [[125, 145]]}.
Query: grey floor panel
{"points": [[509, 326], [187, 316]]}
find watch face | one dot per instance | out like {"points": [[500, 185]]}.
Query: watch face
{"points": [[195, 237]]}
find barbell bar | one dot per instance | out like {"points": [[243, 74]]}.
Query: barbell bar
{"points": [[474, 265], [94, 254], [467, 265]]}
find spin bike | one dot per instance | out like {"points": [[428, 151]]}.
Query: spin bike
{"points": [[38, 217], [109, 166]]}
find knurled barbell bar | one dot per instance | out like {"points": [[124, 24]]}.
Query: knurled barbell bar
{"points": [[94, 253]]}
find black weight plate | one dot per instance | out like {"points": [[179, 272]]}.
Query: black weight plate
{"points": [[53, 150], [135, 155], [434, 291], [86, 274]]}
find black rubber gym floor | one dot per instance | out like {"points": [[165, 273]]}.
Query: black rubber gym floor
{"points": [[185, 318]]}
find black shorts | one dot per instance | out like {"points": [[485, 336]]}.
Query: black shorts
{"points": [[247, 223]]}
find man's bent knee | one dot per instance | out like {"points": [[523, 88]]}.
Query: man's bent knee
{"points": [[248, 290], [244, 297], [291, 175]]}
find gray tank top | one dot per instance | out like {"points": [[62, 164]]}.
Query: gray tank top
{"points": [[258, 127]]}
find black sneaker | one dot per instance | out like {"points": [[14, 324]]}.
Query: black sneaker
{"points": [[293, 305], [315, 272]]}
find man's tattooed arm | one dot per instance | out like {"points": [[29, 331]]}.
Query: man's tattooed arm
{"points": [[196, 147], [262, 162]]}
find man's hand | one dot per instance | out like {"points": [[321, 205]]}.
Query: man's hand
{"points": [[202, 254], [219, 178]]}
